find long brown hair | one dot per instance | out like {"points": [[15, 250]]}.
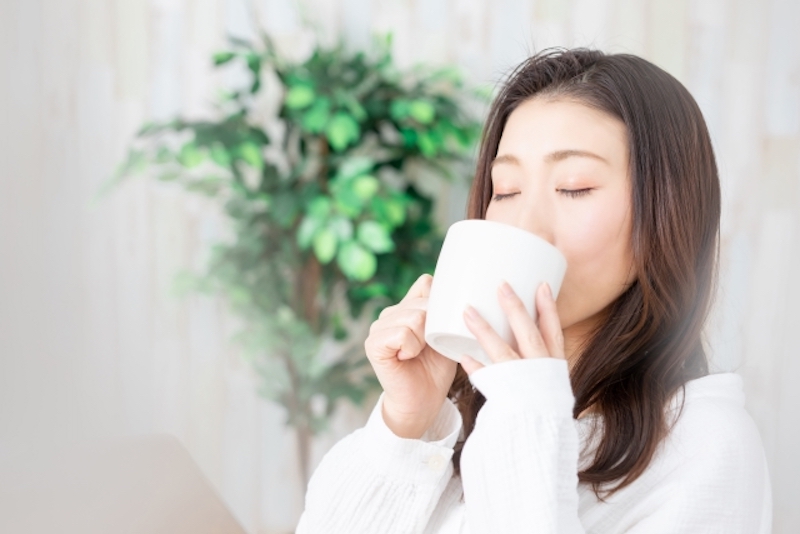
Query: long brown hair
{"points": [[649, 343]]}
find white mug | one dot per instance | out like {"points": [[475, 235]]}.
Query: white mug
{"points": [[476, 256]]}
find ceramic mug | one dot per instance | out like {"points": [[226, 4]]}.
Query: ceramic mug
{"points": [[476, 256]]}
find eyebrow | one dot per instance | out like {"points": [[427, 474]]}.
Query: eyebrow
{"points": [[552, 157]]}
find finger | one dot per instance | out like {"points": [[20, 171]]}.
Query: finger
{"points": [[414, 318], [549, 322], [494, 345], [469, 364], [529, 339], [420, 303], [420, 288], [398, 342]]}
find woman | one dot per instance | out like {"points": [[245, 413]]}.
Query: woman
{"points": [[602, 416]]}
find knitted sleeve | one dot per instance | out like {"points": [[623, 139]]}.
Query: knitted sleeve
{"points": [[519, 465], [374, 481]]}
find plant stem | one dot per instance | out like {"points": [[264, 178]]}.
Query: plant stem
{"points": [[308, 283], [300, 413], [303, 433]]}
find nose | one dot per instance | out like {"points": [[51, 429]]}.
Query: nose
{"points": [[535, 215]]}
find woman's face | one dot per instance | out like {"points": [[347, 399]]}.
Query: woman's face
{"points": [[565, 167]]}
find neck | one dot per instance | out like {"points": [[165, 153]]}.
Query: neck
{"points": [[574, 338]]}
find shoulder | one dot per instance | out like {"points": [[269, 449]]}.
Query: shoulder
{"points": [[709, 418], [714, 440], [710, 472]]}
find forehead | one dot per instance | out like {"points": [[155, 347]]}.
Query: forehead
{"points": [[538, 127]]}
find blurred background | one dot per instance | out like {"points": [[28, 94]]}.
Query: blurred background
{"points": [[94, 339]]}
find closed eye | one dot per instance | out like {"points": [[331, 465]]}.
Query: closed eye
{"points": [[501, 197], [575, 192]]}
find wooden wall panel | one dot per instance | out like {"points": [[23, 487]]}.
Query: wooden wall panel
{"points": [[93, 341]]}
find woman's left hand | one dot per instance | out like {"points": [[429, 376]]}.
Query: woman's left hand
{"points": [[543, 341]]}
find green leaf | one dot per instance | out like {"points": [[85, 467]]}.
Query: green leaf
{"points": [[341, 131], [391, 211], [254, 63], [339, 331], [426, 145], [221, 58], [373, 290], [399, 109], [422, 111], [355, 107], [299, 97], [356, 262], [220, 155], [409, 136], [251, 154], [148, 128], [190, 156], [342, 227], [325, 245], [375, 236], [306, 231], [209, 186], [317, 116], [347, 201], [355, 166], [365, 186], [320, 207]]}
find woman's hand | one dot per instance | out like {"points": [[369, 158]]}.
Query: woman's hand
{"points": [[543, 341], [415, 378]]}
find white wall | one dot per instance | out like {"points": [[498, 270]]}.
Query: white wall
{"points": [[92, 343]]}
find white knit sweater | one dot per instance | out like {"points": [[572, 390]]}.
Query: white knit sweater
{"points": [[519, 468]]}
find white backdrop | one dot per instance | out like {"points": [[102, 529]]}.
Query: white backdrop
{"points": [[93, 343]]}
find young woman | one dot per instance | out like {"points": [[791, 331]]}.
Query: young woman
{"points": [[602, 416]]}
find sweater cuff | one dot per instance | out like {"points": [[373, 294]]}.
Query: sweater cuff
{"points": [[540, 384], [413, 459]]}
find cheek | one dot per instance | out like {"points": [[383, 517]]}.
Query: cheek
{"points": [[599, 238], [596, 244]]}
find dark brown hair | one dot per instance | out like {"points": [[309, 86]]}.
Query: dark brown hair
{"points": [[649, 343]]}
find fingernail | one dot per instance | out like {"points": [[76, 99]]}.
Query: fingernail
{"points": [[505, 289], [547, 292], [470, 312]]}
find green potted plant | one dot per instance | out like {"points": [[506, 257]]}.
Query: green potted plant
{"points": [[330, 216]]}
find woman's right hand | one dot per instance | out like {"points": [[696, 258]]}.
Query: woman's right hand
{"points": [[415, 378]]}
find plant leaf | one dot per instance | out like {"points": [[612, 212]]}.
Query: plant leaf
{"points": [[190, 156], [251, 154], [306, 231], [426, 145], [347, 201], [299, 97], [342, 227], [220, 155], [341, 131], [391, 211], [221, 58], [422, 111], [399, 109], [375, 237], [320, 207], [354, 166], [356, 262], [365, 186], [325, 245], [317, 116]]}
